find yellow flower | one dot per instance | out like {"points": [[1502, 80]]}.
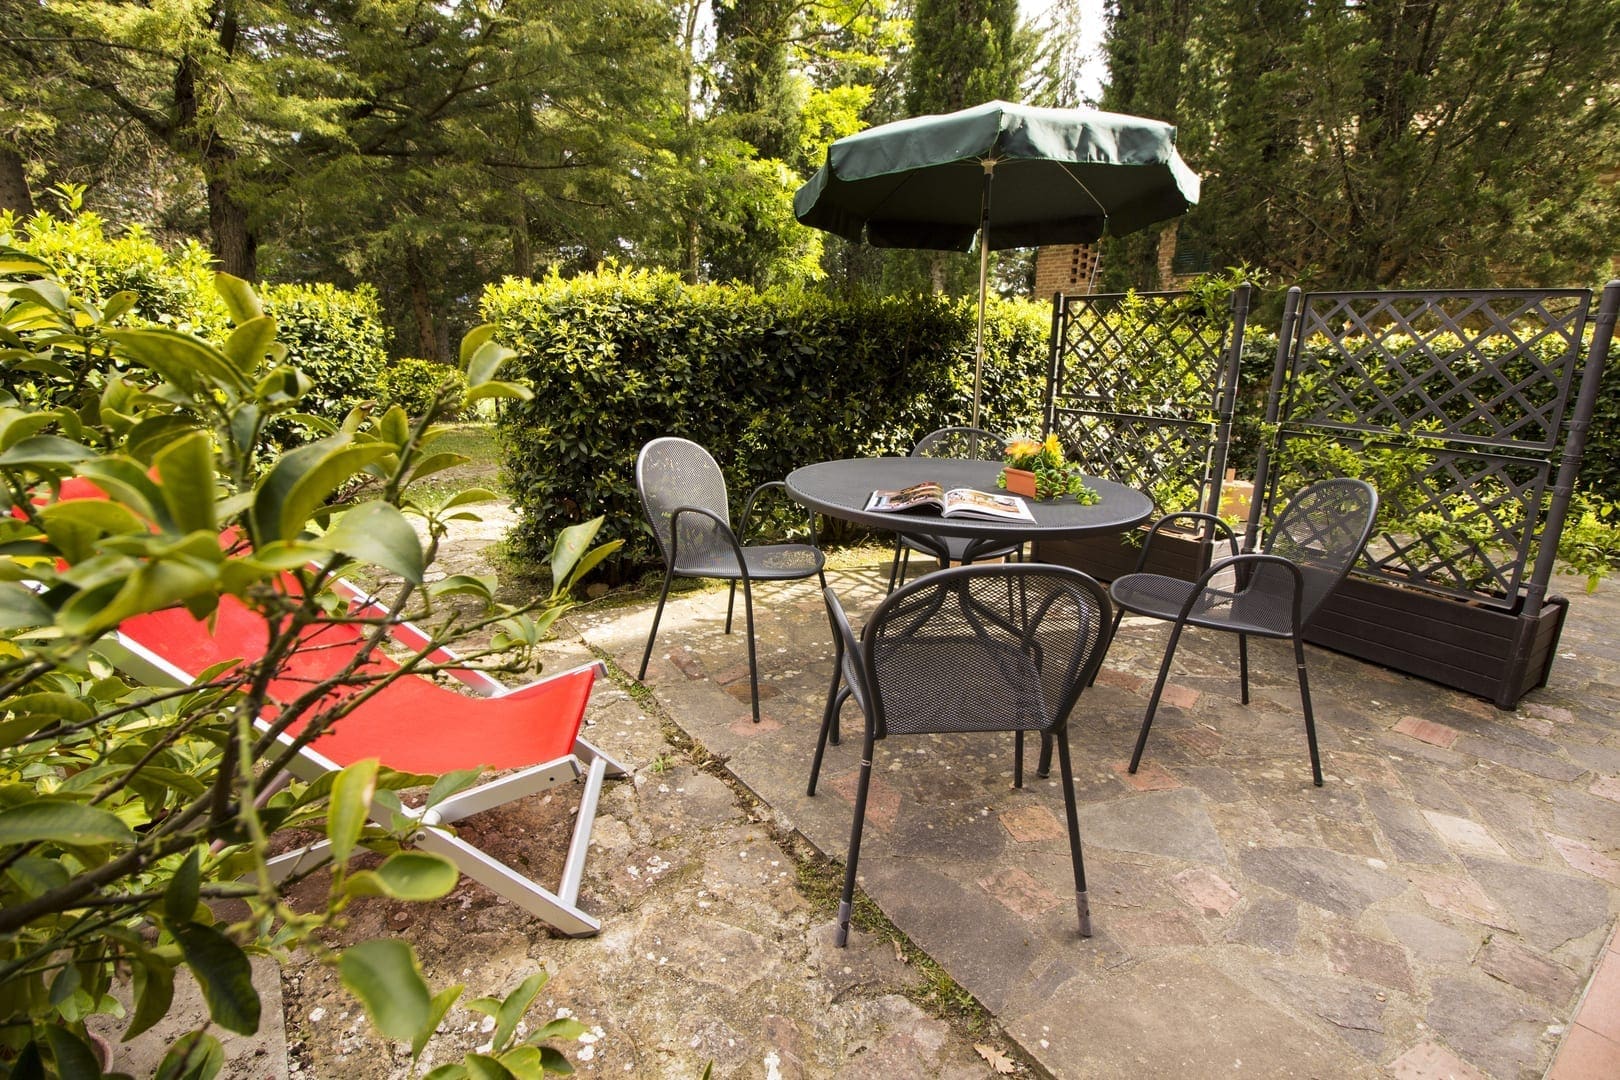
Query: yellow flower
{"points": [[1053, 451]]}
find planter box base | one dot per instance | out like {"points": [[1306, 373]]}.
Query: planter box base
{"points": [[1496, 654]]}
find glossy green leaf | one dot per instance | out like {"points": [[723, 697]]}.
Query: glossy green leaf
{"points": [[186, 468], [223, 972], [74, 1058], [474, 340], [60, 822], [196, 1055], [485, 361], [436, 1009], [303, 479], [449, 784], [189, 363], [13, 261], [180, 898], [496, 389], [572, 543], [515, 1005], [241, 302], [44, 451], [484, 1067], [377, 533], [49, 707], [553, 1061], [20, 606], [153, 994], [352, 792], [406, 875], [249, 344], [383, 974]]}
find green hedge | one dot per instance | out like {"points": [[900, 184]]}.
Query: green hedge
{"points": [[766, 381], [335, 336], [412, 383]]}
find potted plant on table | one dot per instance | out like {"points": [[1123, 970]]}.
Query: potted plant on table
{"points": [[1038, 470]]}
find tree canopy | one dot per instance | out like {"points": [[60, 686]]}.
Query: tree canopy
{"points": [[430, 149]]}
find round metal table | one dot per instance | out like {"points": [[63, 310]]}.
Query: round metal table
{"points": [[840, 489]]}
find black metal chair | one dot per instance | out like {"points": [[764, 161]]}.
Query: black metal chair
{"points": [[683, 494], [1271, 593], [1000, 647], [967, 443]]}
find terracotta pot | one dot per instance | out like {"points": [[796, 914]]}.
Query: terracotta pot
{"points": [[1019, 482]]}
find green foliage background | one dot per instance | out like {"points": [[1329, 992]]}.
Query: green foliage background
{"points": [[766, 381]]}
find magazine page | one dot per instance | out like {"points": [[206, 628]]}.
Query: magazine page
{"points": [[967, 502], [927, 493]]}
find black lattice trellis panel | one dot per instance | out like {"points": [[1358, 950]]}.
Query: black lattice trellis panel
{"points": [[1454, 405], [1141, 390]]}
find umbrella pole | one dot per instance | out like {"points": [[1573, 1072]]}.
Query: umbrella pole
{"points": [[984, 278]]}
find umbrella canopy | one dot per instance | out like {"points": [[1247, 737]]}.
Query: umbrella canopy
{"points": [[1060, 176]]}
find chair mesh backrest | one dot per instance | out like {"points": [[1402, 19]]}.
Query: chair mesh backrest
{"points": [[1322, 531], [1002, 647], [967, 443], [678, 472]]}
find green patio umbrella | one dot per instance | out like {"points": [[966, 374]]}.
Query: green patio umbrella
{"points": [[1061, 176]]}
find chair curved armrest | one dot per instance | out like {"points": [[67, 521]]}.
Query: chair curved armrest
{"points": [[725, 530], [1235, 562], [1184, 515], [748, 509]]}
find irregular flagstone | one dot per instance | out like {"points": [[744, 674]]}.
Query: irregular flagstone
{"points": [[1529, 971], [1338, 883], [1430, 941], [1267, 924], [1406, 829], [1351, 1007], [1576, 813], [1549, 909], [1369, 959], [1206, 891], [1431, 1061], [1460, 896], [1511, 816], [1168, 823], [1178, 1016], [1461, 834], [1582, 857], [1516, 757], [1488, 1027]]}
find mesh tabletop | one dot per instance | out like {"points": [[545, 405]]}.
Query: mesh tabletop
{"points": [[841, 488]]}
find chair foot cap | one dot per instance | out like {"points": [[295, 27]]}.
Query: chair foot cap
{"points": [[841, 939], [1084, 908]]}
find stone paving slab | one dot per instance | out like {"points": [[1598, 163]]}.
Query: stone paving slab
{"points": [[1435, 909]]}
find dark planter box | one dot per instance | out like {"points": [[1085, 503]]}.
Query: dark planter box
{"points": [[1497, 654], [1110, 556]]}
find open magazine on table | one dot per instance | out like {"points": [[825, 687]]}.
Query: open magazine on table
{"points": [[955, 502]]}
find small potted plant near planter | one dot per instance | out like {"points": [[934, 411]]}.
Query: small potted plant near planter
{"points": [[1038, 470]]}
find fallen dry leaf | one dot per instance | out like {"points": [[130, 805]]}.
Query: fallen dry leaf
{"points": [[1000, 1062]]}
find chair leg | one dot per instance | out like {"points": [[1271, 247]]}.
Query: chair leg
{"points": [[1243, 664], [1043, 768], [1310, 718], [1082, 905], [836, 697], [1018, 759], [1153, 702], [753, 664], [731, 602], [894, 567], [1119, 617], [846, 904], [658, 613]]}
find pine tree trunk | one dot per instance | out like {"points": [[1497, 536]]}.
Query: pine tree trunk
{"points": [[14, 194], [427, 339], [235, 246]]}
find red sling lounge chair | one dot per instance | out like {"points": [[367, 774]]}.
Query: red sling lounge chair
{"points": [[414, 725]]}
